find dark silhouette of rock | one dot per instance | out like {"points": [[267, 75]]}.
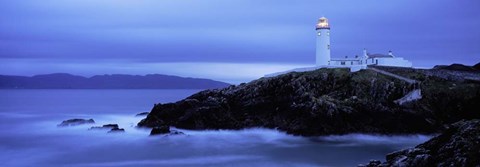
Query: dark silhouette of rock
{"points": [[75, 122], [106, 126], [116, 81], [176, 133], [111, 127], [325, 101], [142, 114], [164, 130], [372, 163], [160, 130], [456, 146], [116, 129]]}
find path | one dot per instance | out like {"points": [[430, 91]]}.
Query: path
{"points": [[415, 94], [410, 81]]}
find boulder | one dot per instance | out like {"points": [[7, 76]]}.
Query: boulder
{"points": [[106, 126], [160, 130], [75, 122], [372, 163], [110, 126], [174, 133], [116, 130]]}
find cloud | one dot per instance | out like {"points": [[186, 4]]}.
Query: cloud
{"points": [[234, 31]]}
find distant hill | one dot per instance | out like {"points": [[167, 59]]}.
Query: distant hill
{"points": [[115, 81], [477, 66], [459, 67]]}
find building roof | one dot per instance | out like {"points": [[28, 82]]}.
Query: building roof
{"points": [[379, 56]]}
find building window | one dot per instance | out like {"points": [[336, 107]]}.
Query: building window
{"points": [[328, 47], [351, 63], [342, 63]]}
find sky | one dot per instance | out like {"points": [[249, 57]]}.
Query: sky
{"points": [[228, 40]]}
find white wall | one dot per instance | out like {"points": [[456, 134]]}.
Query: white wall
{"points": [[396, 62], [346, 62], [323, 47], [383, 61]]}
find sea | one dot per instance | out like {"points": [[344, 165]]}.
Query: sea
{"points": [[29, 135]]}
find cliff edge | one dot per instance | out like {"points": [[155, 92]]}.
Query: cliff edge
{"points": [[456, 146], [326, 101]]}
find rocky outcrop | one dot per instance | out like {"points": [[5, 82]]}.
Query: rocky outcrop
{"points": [[106, 126], [111, 127], [321, 102], [459, 145], [448, 96], [160, 130], [116, 130], [164, 130], [142, 114], [75, 122]]}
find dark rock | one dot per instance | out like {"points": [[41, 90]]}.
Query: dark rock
{"points": [[110, 126], [142, 114], [106, 126], [75, 122], [459, 145], [174, 132], [372, 163], [115, 130], [323, 102], [448, 96], [160, 130]]}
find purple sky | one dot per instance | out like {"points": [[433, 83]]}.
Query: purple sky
{"points": [[228, 40]]}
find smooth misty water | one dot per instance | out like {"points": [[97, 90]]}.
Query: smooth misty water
{"points": [[29, 136]]}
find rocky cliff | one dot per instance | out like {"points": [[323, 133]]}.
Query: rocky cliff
{"points": [[449, 95], [325, 101], [458, 145]]}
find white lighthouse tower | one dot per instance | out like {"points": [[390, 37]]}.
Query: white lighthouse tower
{"points": [[323, 42], [324, 60]]}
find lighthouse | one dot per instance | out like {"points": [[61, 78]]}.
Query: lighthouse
{"points": [[323, 42], [324, 60]]}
